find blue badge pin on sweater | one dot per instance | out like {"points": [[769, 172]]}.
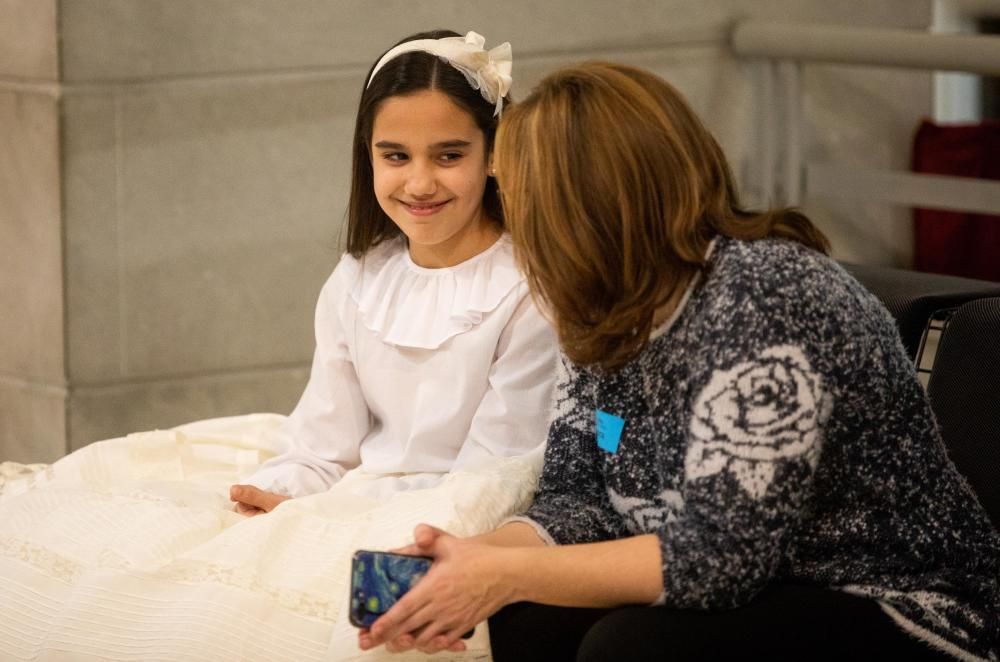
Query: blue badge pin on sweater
{"points": [[609, 431]]}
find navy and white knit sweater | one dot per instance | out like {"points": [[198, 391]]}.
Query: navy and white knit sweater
{"points": [[776, 432]]}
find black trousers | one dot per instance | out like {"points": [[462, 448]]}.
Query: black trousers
{"points": [[784, 622]]}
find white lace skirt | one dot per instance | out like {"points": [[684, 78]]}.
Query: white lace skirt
{"points": [[129, 549]]}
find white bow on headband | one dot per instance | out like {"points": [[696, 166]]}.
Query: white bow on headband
{"points": [[487, 71]]}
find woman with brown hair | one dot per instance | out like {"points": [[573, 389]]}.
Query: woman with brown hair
{"points": [[739, 441]]}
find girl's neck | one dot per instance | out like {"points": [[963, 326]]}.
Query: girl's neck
{"points": [[456, 249]]}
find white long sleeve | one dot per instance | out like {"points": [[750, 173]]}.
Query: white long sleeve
{"points": [[418, 371], [512, 418], [327, 427]]}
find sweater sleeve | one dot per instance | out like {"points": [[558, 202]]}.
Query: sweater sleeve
{"points": [[572, 505], [325, 430], [748, 474], [760, 412]]}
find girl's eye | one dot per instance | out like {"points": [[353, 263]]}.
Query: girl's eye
{"points": [[450, 157], [395, 157]]}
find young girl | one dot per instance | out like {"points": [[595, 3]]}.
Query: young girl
{"points": [[430, 354], [739, 443]]}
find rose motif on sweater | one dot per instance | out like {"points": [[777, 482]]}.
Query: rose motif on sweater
{"points": [[755, 415]]}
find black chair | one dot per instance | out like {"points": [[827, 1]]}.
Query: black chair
{"points": [[914, 297], [964, 390]]}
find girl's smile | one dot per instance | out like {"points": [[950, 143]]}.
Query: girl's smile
{"points": [[424, 208]]}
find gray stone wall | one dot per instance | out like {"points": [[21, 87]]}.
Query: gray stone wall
{"points": [[174, 173], [32, 361]]}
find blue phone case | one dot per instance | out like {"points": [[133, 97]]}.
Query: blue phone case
{"points": [[378, 580]]}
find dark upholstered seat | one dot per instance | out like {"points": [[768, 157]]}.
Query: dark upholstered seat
{"points": [[913, 297], [964, 389]]}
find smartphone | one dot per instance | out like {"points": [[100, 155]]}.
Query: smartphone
{"points": [[379, 579]]}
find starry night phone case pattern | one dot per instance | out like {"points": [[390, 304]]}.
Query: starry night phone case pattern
{"points": [[378, 580]]}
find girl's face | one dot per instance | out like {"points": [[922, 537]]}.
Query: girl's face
{"points": [[429, 164]]}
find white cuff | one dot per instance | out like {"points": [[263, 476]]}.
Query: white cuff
{"points": [[539, 530]]}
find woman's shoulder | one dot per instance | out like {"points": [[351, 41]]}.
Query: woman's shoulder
{"points": [[780, 259], [786, 273], [780, 292]]}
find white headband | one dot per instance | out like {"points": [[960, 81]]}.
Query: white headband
{"points": [[486, 71]]}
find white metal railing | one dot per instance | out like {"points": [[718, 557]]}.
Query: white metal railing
{"points": [[784, 48], [978, 54]]}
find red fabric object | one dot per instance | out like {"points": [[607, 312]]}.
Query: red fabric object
{"points": [[957, 243]]}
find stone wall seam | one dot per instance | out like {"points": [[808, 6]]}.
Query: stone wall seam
{"points": [[712, 36], [28, 86], [205, 376], [45, 388]]}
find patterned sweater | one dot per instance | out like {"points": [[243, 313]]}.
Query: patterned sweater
{"points": [[776, 432]]}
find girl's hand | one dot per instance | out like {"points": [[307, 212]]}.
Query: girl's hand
{"points": [[466, 584], [252, 501]]}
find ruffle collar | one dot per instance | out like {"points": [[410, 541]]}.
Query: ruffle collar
{"points": [[412, 306]]}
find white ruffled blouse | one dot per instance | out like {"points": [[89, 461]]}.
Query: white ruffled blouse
{"points": [[417, 372]]}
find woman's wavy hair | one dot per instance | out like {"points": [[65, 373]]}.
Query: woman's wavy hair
{"points": [[613, 189], [367, 224]]}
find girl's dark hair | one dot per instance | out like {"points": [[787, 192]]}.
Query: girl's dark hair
{"points": [[367, 224]]}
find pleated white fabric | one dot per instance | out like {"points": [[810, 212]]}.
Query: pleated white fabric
{"points": [[129, 549]]}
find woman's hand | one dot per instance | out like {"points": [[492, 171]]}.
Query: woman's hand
{"points": [[252, 501], [466, 584], [424, 536]]}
